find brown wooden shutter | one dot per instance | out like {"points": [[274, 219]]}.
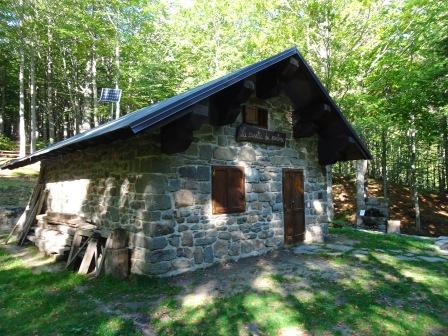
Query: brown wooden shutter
{"points": [[251, 115], [219, 192], [256, 116], [228, 190], [236, 196]]}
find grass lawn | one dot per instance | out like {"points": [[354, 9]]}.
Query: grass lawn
{"points": [[17, 185], [63, 303], [294, 295]]}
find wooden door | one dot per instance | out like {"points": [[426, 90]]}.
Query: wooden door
{"points": [[293, 206]]}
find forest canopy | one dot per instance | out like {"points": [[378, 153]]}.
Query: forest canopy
{"points": [[384, 62]]}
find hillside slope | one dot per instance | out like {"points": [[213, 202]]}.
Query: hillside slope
{"points": [[434, 207]]}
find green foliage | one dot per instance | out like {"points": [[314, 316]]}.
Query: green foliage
{"points": [[6, 143], [41, 144], [339, 223], [384, 62]]}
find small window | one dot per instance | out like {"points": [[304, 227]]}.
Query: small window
{"points": [[254, 115], [228, 190]]}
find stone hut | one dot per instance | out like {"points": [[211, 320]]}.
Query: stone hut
{"points": [[230, 169]]}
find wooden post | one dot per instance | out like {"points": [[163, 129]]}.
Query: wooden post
{"points": [[116, 256]]}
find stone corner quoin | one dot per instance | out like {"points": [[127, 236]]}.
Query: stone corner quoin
{"points": [[164, 201]]}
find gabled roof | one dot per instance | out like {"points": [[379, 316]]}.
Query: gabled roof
{"points": [[163, 112]]}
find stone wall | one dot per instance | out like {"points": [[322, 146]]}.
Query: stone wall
{"points": [[165, 200]]}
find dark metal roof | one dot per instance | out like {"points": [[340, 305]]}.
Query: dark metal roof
{"points": [[167, 110]]}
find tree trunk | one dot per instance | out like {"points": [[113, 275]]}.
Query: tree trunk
{"points": [[49, 79], [22, 133], [441, 169], [117, 75], [413, 173], [445, 149], [33, 135], [2, 98], [361, 169], [94, 116], [73, 97], [384, 162]]}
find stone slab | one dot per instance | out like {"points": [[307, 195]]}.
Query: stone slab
{"points": [[432, 259], [405, 258], [307, 249], [339, 247]]}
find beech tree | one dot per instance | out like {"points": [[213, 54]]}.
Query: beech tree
{"points": [[384, 62]]}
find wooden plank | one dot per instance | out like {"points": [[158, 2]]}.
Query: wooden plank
{"points": [[9, 152], [77, 252], [88, 256], [257, 134], [102, 258], [32, 217], [77, 239], [96, 257], [23, 216], [19, 223]]}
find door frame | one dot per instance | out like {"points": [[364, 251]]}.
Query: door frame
{"points": [[294, 170]]}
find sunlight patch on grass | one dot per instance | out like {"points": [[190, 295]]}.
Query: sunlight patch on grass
{"points": [[112, 327], [270, 311], [264, 282], [291, 331], [31, 170], [380, 296], [304, 296]]}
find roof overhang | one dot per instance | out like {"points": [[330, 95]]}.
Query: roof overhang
{"points": [[173, 108]]}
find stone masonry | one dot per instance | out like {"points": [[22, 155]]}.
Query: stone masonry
{"points": [[164, 201]]}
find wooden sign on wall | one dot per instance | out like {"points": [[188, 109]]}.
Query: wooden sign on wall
{"points": [[256, 134]]}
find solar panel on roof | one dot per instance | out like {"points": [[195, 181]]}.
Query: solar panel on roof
{"points": [[110, 95], [169, 109]]}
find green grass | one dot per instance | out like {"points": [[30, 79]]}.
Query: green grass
{"points": [[378, 295], [17, 185], [381, 295], [15, 191], [386, 242], [61, 303]]}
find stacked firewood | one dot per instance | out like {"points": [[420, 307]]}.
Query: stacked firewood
{"points": [[54, 233]]}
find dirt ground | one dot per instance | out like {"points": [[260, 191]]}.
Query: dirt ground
{"points": [[288, 272], [434, 207]]}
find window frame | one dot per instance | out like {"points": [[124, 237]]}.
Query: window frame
{"points": [[259, 111], [226, 209]]}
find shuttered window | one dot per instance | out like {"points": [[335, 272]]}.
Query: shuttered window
{"points": [[228, 192], [254, 115]]}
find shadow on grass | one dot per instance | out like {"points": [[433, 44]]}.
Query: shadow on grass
{"points": [[331, 295], [55, 304], [374, 297]]}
